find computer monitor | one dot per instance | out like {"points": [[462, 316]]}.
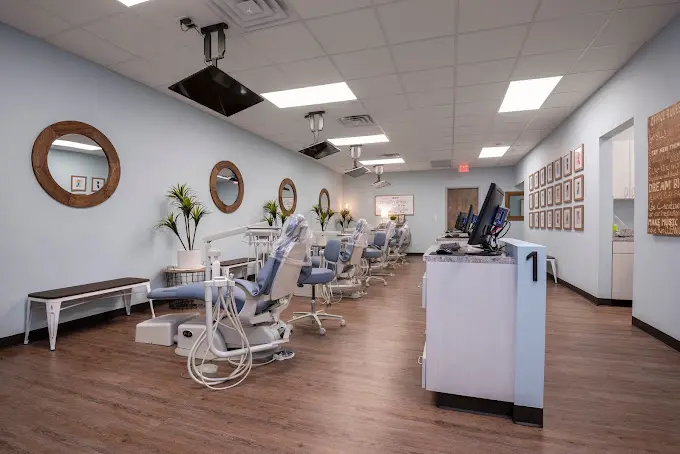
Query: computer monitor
{"points": [[468, 219], [501, 216], [471, 225], [459, 221], [485, 220]]}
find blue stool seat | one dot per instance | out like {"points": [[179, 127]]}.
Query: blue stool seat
{"points": [[372, 253], [195, 291], [319, 276]]}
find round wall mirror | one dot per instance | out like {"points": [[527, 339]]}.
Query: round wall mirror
{"points": [[324, 200], [76, 164], [226, 186], [287, 196]]}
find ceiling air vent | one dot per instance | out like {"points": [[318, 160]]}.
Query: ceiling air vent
{"points": [[249, 15], [356, 121], [443, 164]]}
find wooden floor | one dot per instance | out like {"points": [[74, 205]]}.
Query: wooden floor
{"points": [[609, 388]]}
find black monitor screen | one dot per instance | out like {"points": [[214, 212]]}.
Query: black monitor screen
{"points": [[494, 198], [459, 221], [217, 90], [320, 150], [468, 218]]}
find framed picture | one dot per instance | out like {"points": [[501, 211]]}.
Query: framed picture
{"points": [[542, 198], [566, 218], [549, 220], [549, 196], [531, 182], [531, 201], [97, 184], [566, 191], [566, 165], [543, 219], [549, 175], [536, 185], [578, 159], [557, 193], [536, 201], [579, 189], [557, 219], [542, 177], [78, 183], [536, 220], [578, 217], [558, 169], [531, 221]]}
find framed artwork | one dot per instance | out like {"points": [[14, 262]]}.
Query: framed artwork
{"points": [[549, 196], [531, 221], [566, 191], [531, 201], [542, 198], [542, 177], [578, 218], [543, 219], [558, 169], [566, 165], [78, 183], [578, 163], [549, 219], [557, 193], [536, 201], [536, 185], [566, 218], [536, 220], [531, 182], [97, 184], [549, 175], [557, 219], [579, 189]]}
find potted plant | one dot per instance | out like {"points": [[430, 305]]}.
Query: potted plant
{"points": [[271, 211], [345, 219], [191, 211], [393, 218], [323, 216], [283, 216]]}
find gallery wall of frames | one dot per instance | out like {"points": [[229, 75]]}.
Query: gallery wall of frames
{"points": [[557, 194]]}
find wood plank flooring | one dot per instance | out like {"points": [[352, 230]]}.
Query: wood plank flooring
{"points": [[609, 388]]}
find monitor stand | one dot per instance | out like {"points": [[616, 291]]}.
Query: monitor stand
{"points": [[485, 250]]}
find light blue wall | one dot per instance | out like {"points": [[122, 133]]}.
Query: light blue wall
{"points": [[63, 164], [429, 191], [646, 85], [160, 141]]}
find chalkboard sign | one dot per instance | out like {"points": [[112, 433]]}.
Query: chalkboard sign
{"points": [[394, 204], [663, 212]]}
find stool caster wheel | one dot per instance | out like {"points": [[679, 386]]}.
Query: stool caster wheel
{"points": [[342, 322], [385, 284], [322, 331]]}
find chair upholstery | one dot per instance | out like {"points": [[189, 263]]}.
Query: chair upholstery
{"points": [[317, 276], [371, 253]]}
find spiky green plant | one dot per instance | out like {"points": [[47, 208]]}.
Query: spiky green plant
{"points": [[323, 216], [283, 216], [191, 210], [345, 218], [271, 211]]}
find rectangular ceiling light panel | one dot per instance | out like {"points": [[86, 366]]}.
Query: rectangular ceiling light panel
{"points": [[528, 94], [129, 3], [376, 162], [493, 152], [309, 96], [76, 145], [360, 140]]}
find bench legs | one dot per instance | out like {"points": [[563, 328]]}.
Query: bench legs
{"points": [[148, 290], [52, 322], [27, 326], [127, 300]]}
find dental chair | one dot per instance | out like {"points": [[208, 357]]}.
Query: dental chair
{"points": [[397, 253], [376, 254]]}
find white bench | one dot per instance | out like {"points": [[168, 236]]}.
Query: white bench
{"points": [[81, 294]]}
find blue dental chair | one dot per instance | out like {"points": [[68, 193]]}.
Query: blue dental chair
{"points": [[376, 254]]}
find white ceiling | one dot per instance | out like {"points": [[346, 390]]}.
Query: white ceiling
{"points": [[432, 73]]}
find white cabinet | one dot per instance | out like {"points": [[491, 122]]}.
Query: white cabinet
{"points": [[622, 270], [623, 169]]}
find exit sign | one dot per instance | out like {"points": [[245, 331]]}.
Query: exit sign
{"points": [[463, 168]]}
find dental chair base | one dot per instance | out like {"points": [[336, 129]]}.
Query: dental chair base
{"points": [[162, 330], [316, 316]]}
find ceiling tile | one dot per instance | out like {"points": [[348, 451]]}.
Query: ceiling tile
{"points": [[79, 12], [365, 63], [375, 86], [563, 34], [180, 62], [420, 55], [565, 99], [555, 9], [485, 92], [477, 108], [473, 121], [317, 71], [636, 25], [635, 3], [480, 14], [348, 32], [430, 98], [422, 19], [386, 103], [263, 80], [605, 58], [308, 9], [491, 44], [87, 45], [487, 72], [545, 65], [584, 82], [31, 19], [144, 72], [428, 80], [285, 43], [239, 55]]}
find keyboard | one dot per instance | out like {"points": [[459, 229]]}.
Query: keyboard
{"points": [[448, 248]]}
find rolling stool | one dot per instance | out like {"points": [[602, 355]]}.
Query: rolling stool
{"points": [[553, 264], [371, 254], [313, 277]]}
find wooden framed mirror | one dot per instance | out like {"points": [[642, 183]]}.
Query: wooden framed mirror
{"points": [[226, 186], [514, 201], [324, 200], [287, 196], [75, 164]]}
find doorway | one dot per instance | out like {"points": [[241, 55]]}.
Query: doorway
{"points": [[460, 199]]}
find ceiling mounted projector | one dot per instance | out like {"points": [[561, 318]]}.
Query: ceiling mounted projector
{"points": [[357, 170], [318, 149], [379, 184]]}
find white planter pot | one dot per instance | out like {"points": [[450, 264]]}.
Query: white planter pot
{"points": [[189, 259]]}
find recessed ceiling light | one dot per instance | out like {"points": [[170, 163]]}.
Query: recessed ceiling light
{"points": [[361, 140], [77, 145], [493, 152], [528, 94], [308, 96], [375, 162], [129, 3]]}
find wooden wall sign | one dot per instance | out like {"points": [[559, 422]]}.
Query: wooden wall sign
{"points": [[663, 211]]}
